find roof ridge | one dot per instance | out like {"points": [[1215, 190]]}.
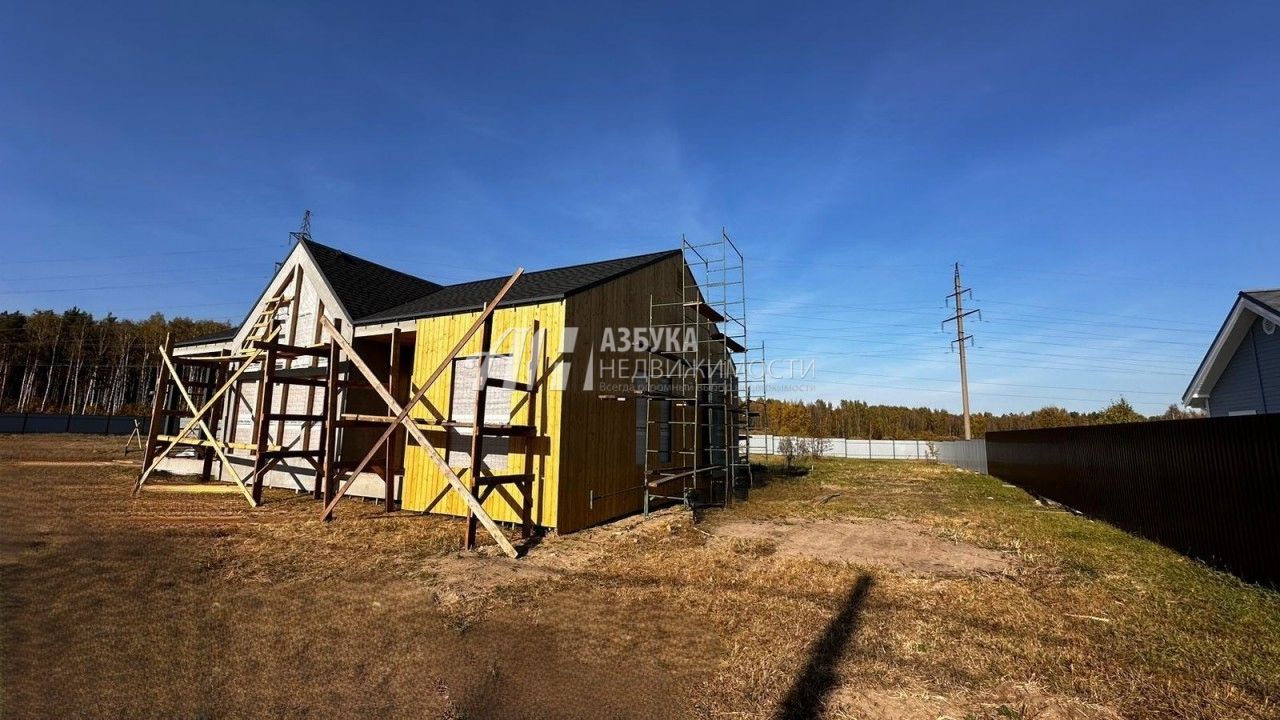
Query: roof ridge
{"points": [[560, 268], [536, 286]]}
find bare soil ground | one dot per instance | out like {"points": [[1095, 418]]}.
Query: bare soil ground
{"points": [[905, 547], [860, 590]]}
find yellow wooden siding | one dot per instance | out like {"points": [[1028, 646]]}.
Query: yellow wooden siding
{"points": [[425, 488]]}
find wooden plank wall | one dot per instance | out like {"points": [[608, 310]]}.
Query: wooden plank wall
{"points": [[425, 490], [598, 446]]}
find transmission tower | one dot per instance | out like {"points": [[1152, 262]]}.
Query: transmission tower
{"points": [[961, 339], [304, 232]]}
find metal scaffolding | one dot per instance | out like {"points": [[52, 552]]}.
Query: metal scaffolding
{"points": [[711, 379]]}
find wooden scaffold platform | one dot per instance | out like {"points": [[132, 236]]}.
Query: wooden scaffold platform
{"points": [[212, 376]]}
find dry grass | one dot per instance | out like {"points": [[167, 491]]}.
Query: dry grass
{"points": [[182, 605]]}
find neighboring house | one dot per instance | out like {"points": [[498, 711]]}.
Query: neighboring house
{"points": [[1241, 373], [594, 444]]}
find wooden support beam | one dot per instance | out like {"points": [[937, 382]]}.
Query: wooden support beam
{"points": [[388, 471], [508, 430], [216, 375], [294, 302], [158, 403], [320, 381], [329, 437], [373, 419], [198, 442], [504, 479], [402, 412], [312, 382], [181, 360], [477, 423], [511, 384], [261, 424], [284, 350], [280, 454], [536, 365], [294, 417]]}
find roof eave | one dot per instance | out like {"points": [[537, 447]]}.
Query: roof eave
{"points": [[376, 320], [1223, 347]]}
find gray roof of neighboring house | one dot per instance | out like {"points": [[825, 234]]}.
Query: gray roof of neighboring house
{"points": [[366, 288], [532, 287], [1269, 298], [1262, 303], [220, 336]]}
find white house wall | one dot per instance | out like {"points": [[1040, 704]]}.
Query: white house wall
{"points": [[314, 298]]}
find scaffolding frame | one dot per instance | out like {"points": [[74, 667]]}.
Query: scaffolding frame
{"points": [[211, 377], [262, 349], [710, 402]]}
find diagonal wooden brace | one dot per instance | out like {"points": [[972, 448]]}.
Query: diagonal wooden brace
{"points": [[191, 425], [217, 446], [402, 418]]}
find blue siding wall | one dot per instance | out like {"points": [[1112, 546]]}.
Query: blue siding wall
{"points": [[1251, 380]]}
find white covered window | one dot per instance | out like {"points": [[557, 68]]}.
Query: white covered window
{"points": [[462, 409]]}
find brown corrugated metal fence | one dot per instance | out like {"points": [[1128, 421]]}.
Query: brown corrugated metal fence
{"points": [[1209, 488]]}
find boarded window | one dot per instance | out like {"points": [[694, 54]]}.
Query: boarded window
{"points": [[462, 409]]}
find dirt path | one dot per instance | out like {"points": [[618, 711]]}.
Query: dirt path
{"points": [[894, 544]]}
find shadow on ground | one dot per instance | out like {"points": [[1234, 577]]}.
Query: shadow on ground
{"points": [[818, 678]]}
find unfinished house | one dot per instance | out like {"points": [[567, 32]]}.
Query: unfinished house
{"points": [[557, 399]]}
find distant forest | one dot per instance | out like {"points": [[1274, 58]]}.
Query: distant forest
{"points": [[70, 362], [856, 419]]}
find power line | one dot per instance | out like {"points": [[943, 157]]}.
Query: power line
{"points": [[843, 322], [128, 255], [131, 273], [927, 309], [172, 283], [994, 384], [1092, 359]]}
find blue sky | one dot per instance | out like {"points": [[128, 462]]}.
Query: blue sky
{"points": [[1105, 173]]}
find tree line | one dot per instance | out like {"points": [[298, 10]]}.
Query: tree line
{"points": [[857, 419], [71, 362]]}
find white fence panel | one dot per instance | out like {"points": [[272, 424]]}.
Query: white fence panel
{"points": [[967, 454], [862, 449]]}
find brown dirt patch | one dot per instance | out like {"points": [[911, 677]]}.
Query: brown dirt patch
{"points": [[1025, 701], [898, 545]]}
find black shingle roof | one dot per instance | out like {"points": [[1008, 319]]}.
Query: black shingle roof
{"points": [[374, 293], [366, 288], [531, 287], [1270, 298]]}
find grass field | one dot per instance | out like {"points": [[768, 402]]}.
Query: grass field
{"points": [[860, 589]]}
